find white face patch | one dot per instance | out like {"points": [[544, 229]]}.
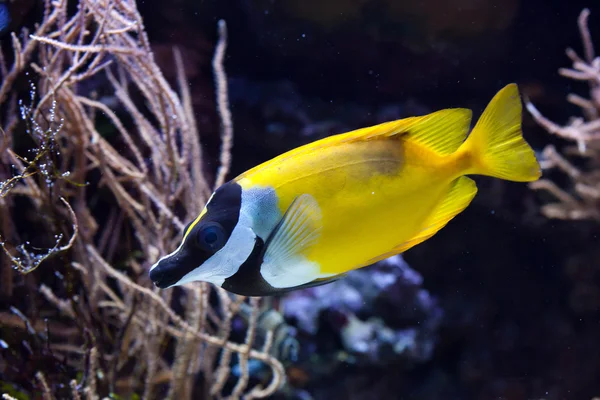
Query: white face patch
{"points": [[227, 261]]}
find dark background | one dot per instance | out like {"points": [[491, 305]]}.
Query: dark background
{"points": [[520, 292]]}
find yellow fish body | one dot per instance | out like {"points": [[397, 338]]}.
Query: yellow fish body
{"points": [[347, 201]]}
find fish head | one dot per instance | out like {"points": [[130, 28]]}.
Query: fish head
{"points": [[214, 245]]}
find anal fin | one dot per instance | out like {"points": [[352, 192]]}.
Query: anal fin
{"points": [[456, 200]]}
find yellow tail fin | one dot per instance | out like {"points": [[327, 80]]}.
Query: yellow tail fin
{"points": [[496, 146]]}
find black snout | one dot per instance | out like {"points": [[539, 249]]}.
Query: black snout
{"points": [[170, 270], [162, 275]]}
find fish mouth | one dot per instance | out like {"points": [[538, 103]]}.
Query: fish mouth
{"points": [[160, 276], [170, 270]]}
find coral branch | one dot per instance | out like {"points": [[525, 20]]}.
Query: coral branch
{"points": [[223, 105], [580, 201], [119, 175]]}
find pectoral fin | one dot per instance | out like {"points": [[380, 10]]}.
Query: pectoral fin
{"points": [[284, 260], [316, 282]]}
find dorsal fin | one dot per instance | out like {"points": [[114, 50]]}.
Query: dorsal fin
{"points": [[442, 131]]}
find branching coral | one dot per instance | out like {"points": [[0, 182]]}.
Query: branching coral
{"points": [[584, 203], [116, 169]]}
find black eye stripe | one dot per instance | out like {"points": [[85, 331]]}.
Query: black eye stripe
{"points": [[224, 208]]}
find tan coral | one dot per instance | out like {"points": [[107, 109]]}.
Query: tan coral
{"points": [[152, 167], [582, 199]]}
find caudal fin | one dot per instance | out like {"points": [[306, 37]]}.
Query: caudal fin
{"points": [[496, 145]]}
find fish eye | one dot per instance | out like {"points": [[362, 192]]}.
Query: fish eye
{"points": [[211, 237]]}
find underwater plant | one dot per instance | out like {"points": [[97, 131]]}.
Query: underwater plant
{"points": [[581, 162], [100, 165], [579, 198]]}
